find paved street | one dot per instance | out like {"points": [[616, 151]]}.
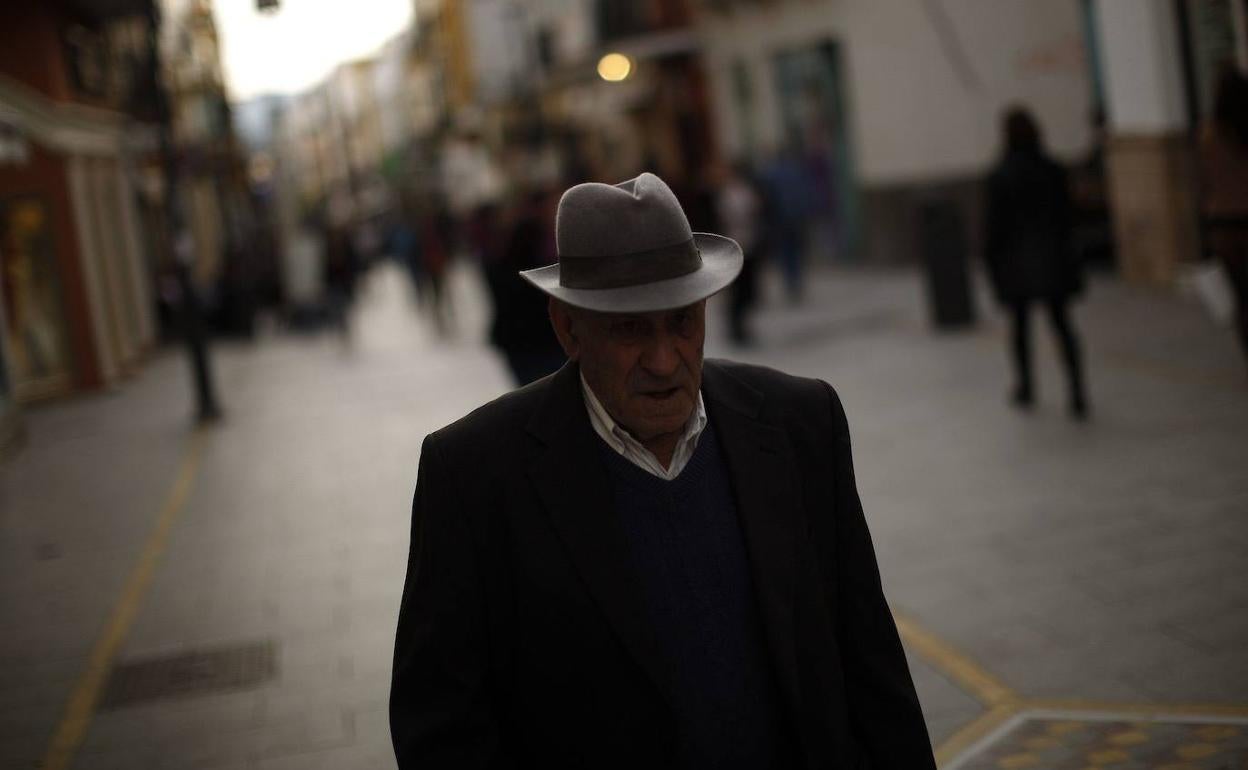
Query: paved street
{"points": [[1035, 565]]}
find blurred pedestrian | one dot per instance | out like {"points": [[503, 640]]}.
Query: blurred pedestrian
{"points": [[342, 264], [520, 328], [787, 188], [405, 242], [433, 242], [646, 560], [1224, 179], [1030, 253], [819, 169], [740, 210]]}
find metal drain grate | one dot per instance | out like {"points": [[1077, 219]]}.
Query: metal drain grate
{"points": [[189, 674]]}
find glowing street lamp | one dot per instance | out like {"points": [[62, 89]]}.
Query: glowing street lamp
{"points": [[614, 67]]}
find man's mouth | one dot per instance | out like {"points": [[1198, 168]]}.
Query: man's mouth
{"points": [[660, 395]]}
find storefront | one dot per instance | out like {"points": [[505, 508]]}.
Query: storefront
{"points": [[75, 285], [1213, 39], [36, 336]]}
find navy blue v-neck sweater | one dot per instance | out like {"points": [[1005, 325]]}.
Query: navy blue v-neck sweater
{"points": [[685, 540]]}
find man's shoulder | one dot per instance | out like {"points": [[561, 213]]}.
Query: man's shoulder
{"points": [[771, 384], [805, 409], [776, 397], [495, 424]]}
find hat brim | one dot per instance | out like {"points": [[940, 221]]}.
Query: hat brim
{"points": [[721, 263]]}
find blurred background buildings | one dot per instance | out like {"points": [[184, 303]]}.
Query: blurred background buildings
{"points": [[887, 109], [104, 106]]}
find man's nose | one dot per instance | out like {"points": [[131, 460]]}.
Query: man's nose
{"points": [[660, 356]]}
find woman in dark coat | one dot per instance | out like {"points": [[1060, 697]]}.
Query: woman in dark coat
{"points": [[1030, 254]]}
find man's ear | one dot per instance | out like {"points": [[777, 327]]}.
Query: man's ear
{"points": [[561, 320]]}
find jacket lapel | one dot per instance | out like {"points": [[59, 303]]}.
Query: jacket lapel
{"points": [[573, 484], [760, 462]]}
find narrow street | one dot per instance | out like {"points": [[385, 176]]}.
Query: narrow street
{"points": [[1085, 574]]}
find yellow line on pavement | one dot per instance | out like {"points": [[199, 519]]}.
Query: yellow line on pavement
{"points": [[961, 670], [973, 731], [72, 728], [1159, 710]]}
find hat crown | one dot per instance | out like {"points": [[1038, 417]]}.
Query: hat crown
{"points": [[641, 214]]}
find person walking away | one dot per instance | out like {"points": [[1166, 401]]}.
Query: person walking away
{"points": [[1030, 254], [341, 273], [1224, 195], [434, 238], [740, 210], [787, 187], [405, 244], [521, 328]]}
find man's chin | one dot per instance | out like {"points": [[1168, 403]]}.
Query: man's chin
{"points": [[663, 422]]}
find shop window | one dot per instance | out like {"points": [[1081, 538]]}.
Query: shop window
{"points": [[34, 314]]}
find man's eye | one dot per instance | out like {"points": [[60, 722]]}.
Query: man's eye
{"points": [[626, 329]]}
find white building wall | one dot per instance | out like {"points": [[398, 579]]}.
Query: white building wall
{"points": [[137, 273], [916, 112], [424, 103], [92, 268], [571, 24], [392, 92], [1140, 45], [120, 307], [500, 45]]}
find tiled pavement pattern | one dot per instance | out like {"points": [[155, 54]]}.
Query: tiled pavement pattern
{"points": [[1071, 743], [1104, 562]]}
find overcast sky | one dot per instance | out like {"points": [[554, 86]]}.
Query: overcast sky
{"points": [[294, 48]]}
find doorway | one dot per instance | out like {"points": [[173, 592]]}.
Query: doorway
{"points": [[814, 108]]}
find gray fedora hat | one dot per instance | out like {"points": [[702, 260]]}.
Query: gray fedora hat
{"points": [[628, 248]]}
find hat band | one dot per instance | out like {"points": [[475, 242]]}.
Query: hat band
{"points": [[632, 269]]}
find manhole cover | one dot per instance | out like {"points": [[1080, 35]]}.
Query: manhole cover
{"points": [[1075, 741], [188, 674]]}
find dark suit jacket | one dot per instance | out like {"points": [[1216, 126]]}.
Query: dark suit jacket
{"points": [[521, 640]]}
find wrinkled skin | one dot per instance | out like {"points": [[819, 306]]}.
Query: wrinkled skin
{"points": [[645, 368]]}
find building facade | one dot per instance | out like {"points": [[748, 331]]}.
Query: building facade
{"points": [[76, 285], [903, 100], [209, 161]]}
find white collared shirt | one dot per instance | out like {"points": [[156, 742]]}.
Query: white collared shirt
{"points": [[631, 449]]}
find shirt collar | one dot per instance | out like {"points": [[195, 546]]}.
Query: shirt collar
{"points": [[623, 442]]}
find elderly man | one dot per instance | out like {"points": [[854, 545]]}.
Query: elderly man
{"points": [[645, 560]]}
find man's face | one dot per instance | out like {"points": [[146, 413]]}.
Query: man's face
{"points": [[645, 368]]}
